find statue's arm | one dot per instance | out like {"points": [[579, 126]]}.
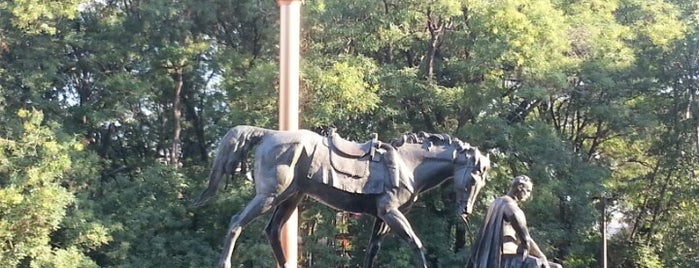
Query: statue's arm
{"points": [[519, 223]]}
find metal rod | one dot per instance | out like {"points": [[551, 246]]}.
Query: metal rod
{"points": [[604, 231], [289, 59]]}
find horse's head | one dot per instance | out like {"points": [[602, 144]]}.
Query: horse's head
{"points": [[470, 166], [470, 175]]}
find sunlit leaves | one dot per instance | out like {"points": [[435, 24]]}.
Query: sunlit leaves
{"points": [[530, 34], [656, 21], [597, 35], [341, 91], [32, 199], [34, 16]]}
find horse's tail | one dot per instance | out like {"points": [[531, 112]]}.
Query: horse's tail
{"points": [[232, 150]]}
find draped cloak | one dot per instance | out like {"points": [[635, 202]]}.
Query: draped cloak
{"points": [[486, 252]]}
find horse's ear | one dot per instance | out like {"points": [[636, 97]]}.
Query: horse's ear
{"points": [[422, 134], [399, 141]]}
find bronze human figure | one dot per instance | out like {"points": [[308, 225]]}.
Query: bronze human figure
{"points": [[373, 178], [504, 240]]}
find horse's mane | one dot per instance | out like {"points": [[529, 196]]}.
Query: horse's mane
{"points": [[429, 139], [482, 162]]}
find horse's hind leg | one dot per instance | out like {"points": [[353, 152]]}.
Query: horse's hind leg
{"points": [[279, 217], [259, 205]]}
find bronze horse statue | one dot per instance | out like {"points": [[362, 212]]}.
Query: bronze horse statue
{"points": [[375, 178]]}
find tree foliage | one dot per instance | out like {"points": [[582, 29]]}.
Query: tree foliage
{"points": [[110, 111]]}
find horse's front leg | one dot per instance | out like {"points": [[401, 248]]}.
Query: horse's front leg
{"points": [[279, 217], [400, 225], [377, 236], [259, 205]]}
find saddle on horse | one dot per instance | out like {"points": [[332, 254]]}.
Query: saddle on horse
{"points": [[354, 159], [352, 149]]}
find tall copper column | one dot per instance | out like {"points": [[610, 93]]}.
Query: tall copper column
{"points": [[289, 57]]}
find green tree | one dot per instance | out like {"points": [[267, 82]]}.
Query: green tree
{"points": [[35, 167], [585, 97]]}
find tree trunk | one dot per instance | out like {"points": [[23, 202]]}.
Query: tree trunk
{"points": [[176, 118], [436, 28], [190, 103]]}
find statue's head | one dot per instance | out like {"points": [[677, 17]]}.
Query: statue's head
{"points": [[469, 177], [521, 188]]}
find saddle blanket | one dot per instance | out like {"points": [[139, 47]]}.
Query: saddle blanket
{"points": [[361, 176]]}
